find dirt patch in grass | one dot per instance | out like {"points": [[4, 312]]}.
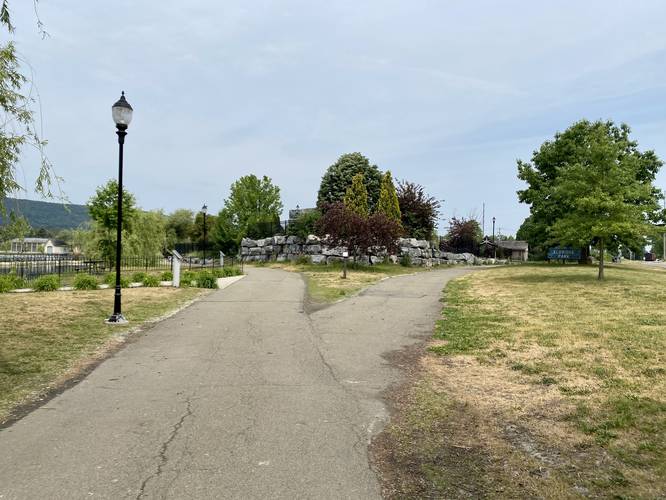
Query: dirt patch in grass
{"points": [[46, 339], [541, 383]]}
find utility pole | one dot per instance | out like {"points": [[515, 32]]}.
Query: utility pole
{"points": [[494, 245], [483, 220]]}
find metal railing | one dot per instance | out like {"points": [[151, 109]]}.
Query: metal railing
{"points": [[29, 267]]}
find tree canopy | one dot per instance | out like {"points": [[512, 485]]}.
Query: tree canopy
{"points": [[418, 210], [584, 144], [103, 208], [18, 127], [356, 197], [591, 185], [180, 225], [388, 199], [338, 178], [464, 235], [358, 233], [253, 209]]}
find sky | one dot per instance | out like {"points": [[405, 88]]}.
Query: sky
{"points": [[445, 94]]}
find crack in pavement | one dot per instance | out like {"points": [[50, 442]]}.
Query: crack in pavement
{"points": [[163, 459]]}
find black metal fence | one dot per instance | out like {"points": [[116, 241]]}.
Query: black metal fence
{"points": [[29, 267]]}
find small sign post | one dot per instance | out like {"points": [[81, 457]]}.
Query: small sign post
{"points": [[221, 258], [176, 259], [345, 255]]}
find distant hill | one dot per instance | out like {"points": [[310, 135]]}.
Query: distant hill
{"points": [[46, 214]]}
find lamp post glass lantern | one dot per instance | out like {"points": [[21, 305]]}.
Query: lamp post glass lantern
{"points": [[204, 210], [121, 112]]}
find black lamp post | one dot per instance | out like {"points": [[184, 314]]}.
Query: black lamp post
{"points": [[122, 116], [204, 210], [494, 245]]}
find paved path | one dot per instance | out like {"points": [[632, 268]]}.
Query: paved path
{"points": [[242, 395]]}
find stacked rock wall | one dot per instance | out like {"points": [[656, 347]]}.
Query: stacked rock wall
{"points": [[287, 248]]}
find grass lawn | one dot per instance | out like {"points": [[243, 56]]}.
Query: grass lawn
{"points": [[46, 337], [325, 283], [542, 382]]}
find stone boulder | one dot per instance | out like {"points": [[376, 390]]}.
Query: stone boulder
{"points": [[313, 249], [247, 242], [318, 259]]}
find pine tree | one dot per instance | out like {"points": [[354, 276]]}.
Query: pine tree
{"points": [[356, 197], [388, 199]]}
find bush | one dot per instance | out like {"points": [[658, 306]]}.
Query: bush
{"points": [[110, 279], [303, 260], [406, 260], [166, 276], [85, 282], [10, 282], [48, 283], [139, 277], [232, 271], [206, 279], [225, 272], [151, 281], [186, 278]]}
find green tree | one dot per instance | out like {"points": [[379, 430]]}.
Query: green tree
{"points": [[608, 193], [388, 199], [17, 227], [180, 225], [149, 236], [356, 197], [254, 206], [103, 208], [18, 128], [571, 147], [226, 234], [338, 178], [198, 229], [305, 224]]}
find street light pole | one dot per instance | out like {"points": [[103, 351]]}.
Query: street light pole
{"points": [[204, 209], [122, 116]]}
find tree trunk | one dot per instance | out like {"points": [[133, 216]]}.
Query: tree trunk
{"points": [[584, 255], [601, 260]]}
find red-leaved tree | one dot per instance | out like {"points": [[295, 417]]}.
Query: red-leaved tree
{"points": [[360, 235]]}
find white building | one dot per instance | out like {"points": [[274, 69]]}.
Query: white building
{"points": [[39, 245]]}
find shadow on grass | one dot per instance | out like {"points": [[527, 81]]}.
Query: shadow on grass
{"points": [[585, 274]]}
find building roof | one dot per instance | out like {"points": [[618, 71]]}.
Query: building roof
{"points": [[40, 241], [507, 244], [513, 244]]}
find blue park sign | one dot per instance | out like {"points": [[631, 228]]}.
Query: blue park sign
{"points": [[564, 253]]}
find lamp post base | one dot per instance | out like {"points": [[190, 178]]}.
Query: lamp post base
{"points": [[116, 319]]}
